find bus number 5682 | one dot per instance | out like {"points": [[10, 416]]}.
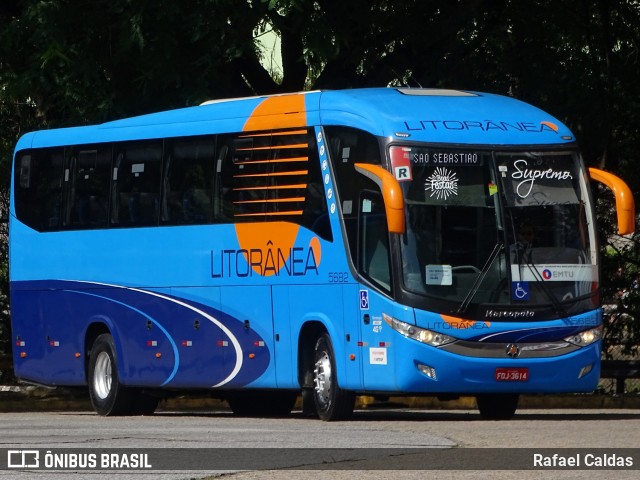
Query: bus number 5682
{"points": [[338, 277]]}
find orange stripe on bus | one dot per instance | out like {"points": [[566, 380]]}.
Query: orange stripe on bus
{"points": [[278, 174], [276, 187], [272, 200], [269, 214], [273, 147], [283, 111], [278, 160], [274, 134]]}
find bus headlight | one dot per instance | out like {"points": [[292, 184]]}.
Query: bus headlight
{"points": [[422, 335], [585, 338]]}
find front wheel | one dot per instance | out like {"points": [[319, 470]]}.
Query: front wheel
{"points": [[107, 395], [497, 406], [331, 402]]}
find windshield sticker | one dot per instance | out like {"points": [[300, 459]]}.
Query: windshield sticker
{"points": [[439, 275], [442, 184], [377, 356], [401, 163], [528, 176], [554, 273], [520, 291], [421, 156], [493, 189]]}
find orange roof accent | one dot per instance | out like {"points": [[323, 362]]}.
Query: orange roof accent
{"points": [[283, 111]]}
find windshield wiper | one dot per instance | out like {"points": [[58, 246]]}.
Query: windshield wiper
{"points": [[526, 259], [478, 281]]}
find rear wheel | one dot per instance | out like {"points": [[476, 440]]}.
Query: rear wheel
{"points": [[332, 402], [497, 406], [107, 395]]}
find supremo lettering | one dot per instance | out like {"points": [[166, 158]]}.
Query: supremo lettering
{"points": [[296, 262], [529, 176]]}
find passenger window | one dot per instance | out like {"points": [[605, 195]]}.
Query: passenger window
{"points": [[38, 188], [188, 182], [87, 180], [136, 184]]}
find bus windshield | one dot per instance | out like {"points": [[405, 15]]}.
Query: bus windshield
{"points": [[502, 229]]}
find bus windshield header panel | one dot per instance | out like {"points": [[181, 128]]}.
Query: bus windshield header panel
{"points": [[496, 231]]}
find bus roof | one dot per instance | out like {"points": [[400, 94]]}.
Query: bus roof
{"points": [[425, 115]]}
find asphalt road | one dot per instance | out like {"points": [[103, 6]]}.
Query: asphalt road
{"points": [[458, 435]]}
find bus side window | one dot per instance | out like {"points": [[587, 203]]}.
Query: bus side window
{"points": [[316, 213], [271, 176], [225, 193], [188, 182], [373, 252], [136, 190], [87, 176], [222, 206], [38, 188], [348, 146]]}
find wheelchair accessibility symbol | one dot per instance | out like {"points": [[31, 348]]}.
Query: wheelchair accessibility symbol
{"points": [[364, 299], [520, 291]]}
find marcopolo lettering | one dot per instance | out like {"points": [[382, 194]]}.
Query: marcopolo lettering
{"points": [[509, 314], [295, 261]]}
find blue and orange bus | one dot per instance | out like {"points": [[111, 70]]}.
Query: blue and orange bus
{"points": [[377, 242]]}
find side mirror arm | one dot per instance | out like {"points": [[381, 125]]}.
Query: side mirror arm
{"points": [[625, 206]]}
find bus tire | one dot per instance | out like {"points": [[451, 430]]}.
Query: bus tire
{"points": [[108, 396], [331, 402], [497, 406]]}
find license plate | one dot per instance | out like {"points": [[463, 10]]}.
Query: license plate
{"points": [[512, 374]]}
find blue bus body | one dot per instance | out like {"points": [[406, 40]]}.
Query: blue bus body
{"points": [[238, 304]]}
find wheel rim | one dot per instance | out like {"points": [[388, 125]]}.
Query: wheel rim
{"points": [[102, 375], [322, 379]]}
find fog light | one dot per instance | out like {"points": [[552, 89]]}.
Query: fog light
{"points": [[585, 370], [428, 371]]}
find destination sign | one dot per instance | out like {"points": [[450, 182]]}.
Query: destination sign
{"points": [[424, 156]]}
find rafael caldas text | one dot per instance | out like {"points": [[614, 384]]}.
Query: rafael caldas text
{"points": [[595, 460]]}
